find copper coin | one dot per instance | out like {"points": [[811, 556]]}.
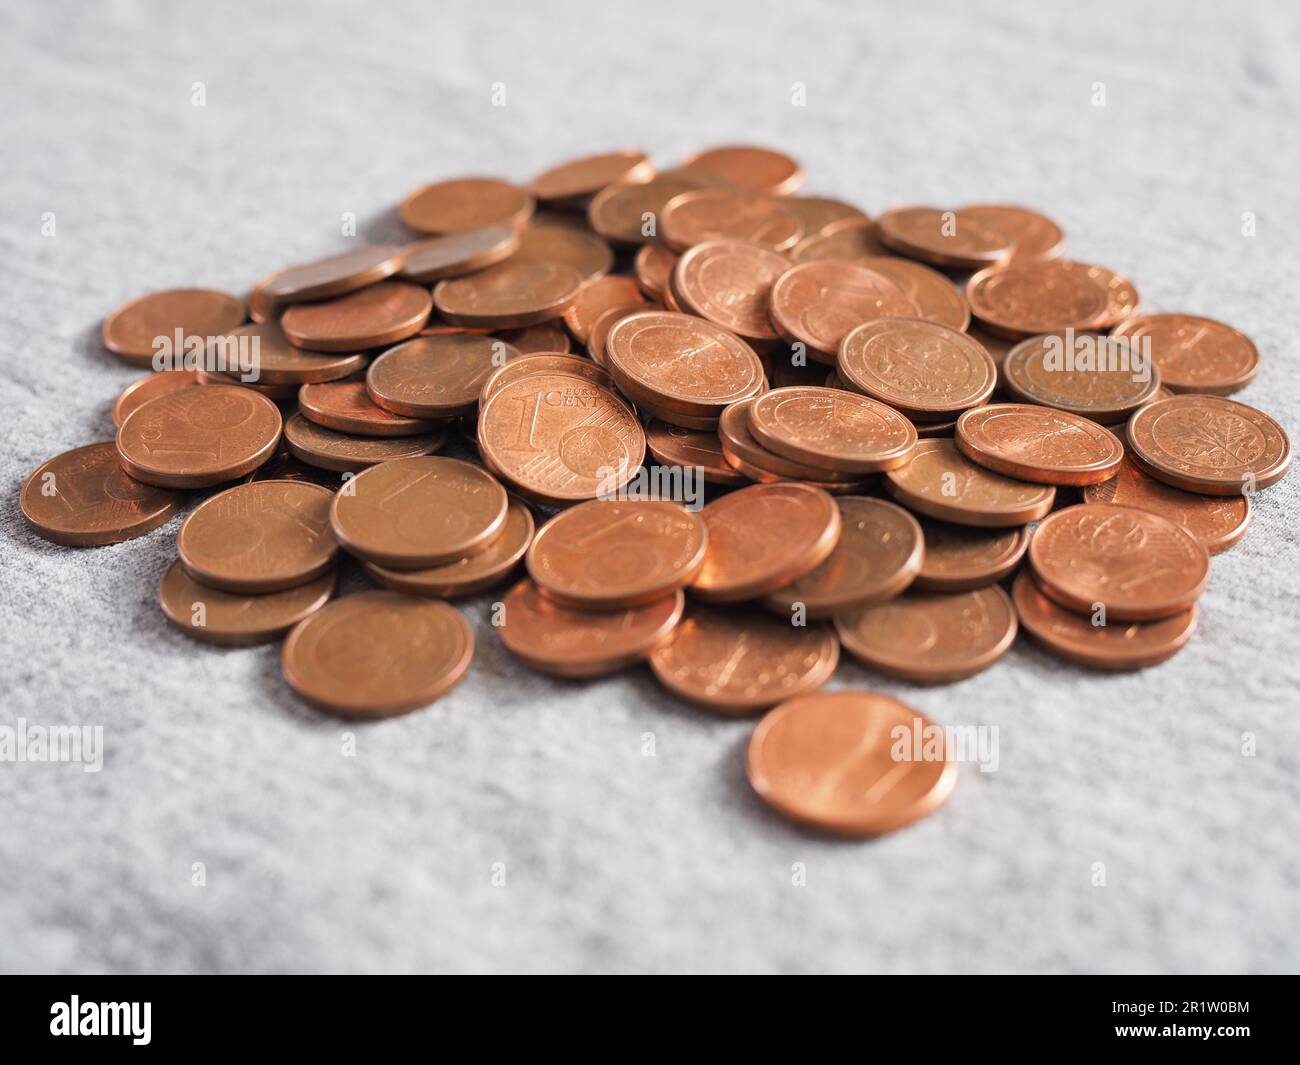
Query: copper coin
{"points": [[630, 214], [565, 245], [346, 407], [1216, 522], [149, 387], [728, 214], [264, 536], [959, 558], [1039, 444], [377, 654], [234, 620], [941, 482], [419, 512], [817, 303], [1084, 374], [1209, 445], [1115, 648], [436, 377], [466, 203], [609, 555], [1137, 564], [466, 576], [277, 362], [579, 179], [749, 167], [997, 347], [457, 254], [762, 538], [334, 276], [278, 393], [285, 466], [831, 761], [198, 436], [1194, 354], [929, 638], [937, 299], [727, 282], [675, 445], [261, 308], [131, 332], [331, 450], [685, 363], [509, 295], [653, 265], [832, 430], [852, 240], [945, 238], [878, 555], [740, 661], [605, 322], [1033, 236], [544, 338], [820, 213], [595, 298], [370, 318], [1025, 299], [532, 364], [924, 369], [82, 498], [742, 451], [1121, 297]]}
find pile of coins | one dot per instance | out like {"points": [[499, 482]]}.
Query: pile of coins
{"points": [[869, 461]]}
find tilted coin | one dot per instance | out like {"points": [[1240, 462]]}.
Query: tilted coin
{"points": [[377, 654], [276, 361], [83, 498], [727, 282], [654, 265], [675, 445], [930, 638], [629, 214], [937, 299], [1039, 444], [831, 761], [533, 364], [728, 214], [1084, 374], [327, 278], [264, 536], [509, 295], [595, 298], [544, 338], [332, 450], [466, 203], [132, 331], [1135, 564], [1194, 354], [604, 322], [436, 377], [149, 387], [233, 619], [457, 254], [741, 661], [741, 450], [878, 554], [820, 213], [1024, 299], [831, 429], [346, 407], [284, 465], [579, 179], [959, 558], [584, 251], [419, 512], [1033, 236], [817, 303], [369, 318], [613, 554], [750, 167], [944, 238], [941, 482], [851, 241], [198, 436], [276, 393]]}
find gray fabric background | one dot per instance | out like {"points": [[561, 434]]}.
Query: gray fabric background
{"points": [[615, 861]]}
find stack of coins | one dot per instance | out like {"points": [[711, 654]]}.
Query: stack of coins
{"points": [[874, 412]]}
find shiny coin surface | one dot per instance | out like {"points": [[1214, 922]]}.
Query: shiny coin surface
{"points": [[369, 318], [419, 512], [929, 638], [748, 167], [727, 282], [264, 536], [544, 338], [346, 407], [1218, 522], [83, 498], [926, 370], [237, 620], [377, 654], [278, 393], [728, 214], [277, 362], [1208, 444], [762, 538], [1083, 374], [533, 364], [821, 213], [878, 555], [327, 278], [1034, 236], [1194, 354], [150, 387], [466, 576], [457, 254], [1136, 564], [613, 554], [629, 214], [285, 466], [595, 298], [742, 661], [198, 436], [831, 761], [566, 245], [654, 265], [944, 238], [1025, 299], [817, 303], [675, 445], [831, 429], [605, 322], [1039, 444], [332, 450], [741, 450], [1121, 647], [436, 377], [466, 203], [131, 331], [564, 642], [509, 295], [579, 179], [560, 439], [852, 240], [959, 558], [941, 482], [937, 299]]}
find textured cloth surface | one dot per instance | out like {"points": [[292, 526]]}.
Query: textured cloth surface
{"points": [[614, 860]]}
